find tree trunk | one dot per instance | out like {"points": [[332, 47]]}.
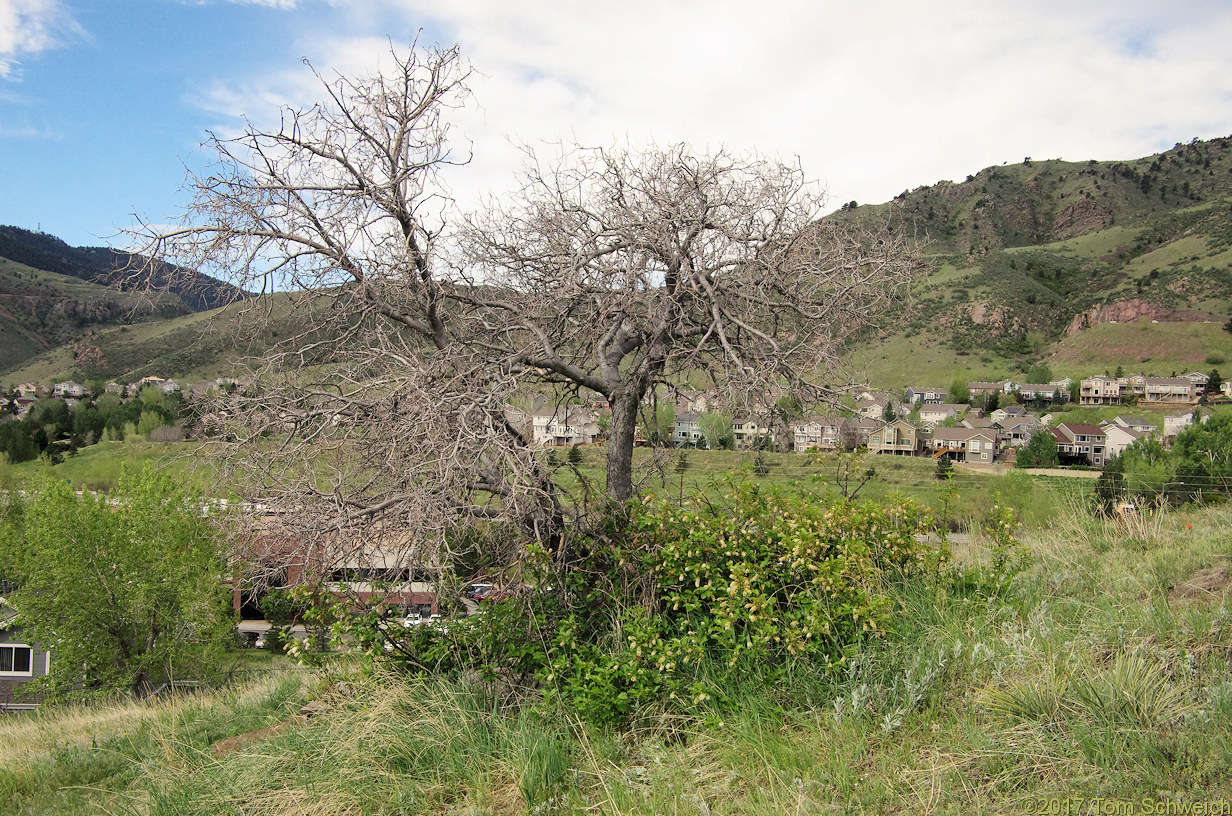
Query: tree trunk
{"points": [[620, 447]]}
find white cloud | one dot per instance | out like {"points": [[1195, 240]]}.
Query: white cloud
{"points": [[874, 98], [31, 26]]}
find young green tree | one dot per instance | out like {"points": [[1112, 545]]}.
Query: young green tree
{"points": [[1203, 453], [959, 391], [1040, 451], [1214, 382], [945, 468], [126, 590], [716, 430], [1038, 373]]}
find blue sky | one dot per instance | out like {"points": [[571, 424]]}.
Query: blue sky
{"points": [[104, 102]]}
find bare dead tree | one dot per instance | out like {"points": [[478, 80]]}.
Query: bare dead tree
{"points": [[618, 270], [385, 406]]}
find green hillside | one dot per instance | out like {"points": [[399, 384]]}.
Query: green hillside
{"points": [[41, 310], [1027, 258], [1042, 261], [198, 346], [56, 299]]}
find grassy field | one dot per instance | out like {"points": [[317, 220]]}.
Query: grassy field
{"points": [[1098, 682], [1149, 348], [97, 467]]}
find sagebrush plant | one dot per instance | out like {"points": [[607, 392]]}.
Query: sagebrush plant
{"points": [[670, 600]]}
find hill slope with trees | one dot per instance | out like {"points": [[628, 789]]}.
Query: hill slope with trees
{"points": [[1025, 258], [1027, 255], [53, 296]]}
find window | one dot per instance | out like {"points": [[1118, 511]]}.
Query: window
{"points": [[15, 659]]}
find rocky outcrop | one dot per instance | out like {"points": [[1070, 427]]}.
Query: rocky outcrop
{"points": [[1079, 218], [1127, 311]]}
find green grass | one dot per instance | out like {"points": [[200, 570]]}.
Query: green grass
{"points": [[1093, 245], [898, 361], [97, 467], [1142, 346], [78, 760], [1040, 500], [1100, 673]]}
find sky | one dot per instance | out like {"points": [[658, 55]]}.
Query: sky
{"points": [[104, 104]]}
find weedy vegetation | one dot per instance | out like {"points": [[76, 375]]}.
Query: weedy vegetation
{"points": [[1087, 660]]}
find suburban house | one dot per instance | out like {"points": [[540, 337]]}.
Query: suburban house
{"points": [[1113, 391], [933, 413], [1080, 443], [692, 402], [68, 389], [858, 432], [965, 444], [1046, 392], [1198, 378], [1161, 389], [748, 431], [1009, 413], [1117, 438], [20, 661], [565, 426], [899, 437], [1099, 390], [1138, 424], [872, 408], [687, 429], [977, 388], [924, 395], [1175, 423], [1017, 432], [817, 433]]}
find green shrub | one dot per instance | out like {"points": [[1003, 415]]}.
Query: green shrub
{"points": [[673, 602]]}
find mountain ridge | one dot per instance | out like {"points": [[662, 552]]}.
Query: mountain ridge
{"points": [[1022, 257]]}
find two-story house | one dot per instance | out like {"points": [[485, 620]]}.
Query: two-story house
{"points": [[924, 395], [1080, 443], [68, 388], [749, 431], [20, 660], [965, 444], [817, 433], [1117, 438], [687, 429], [899, 437], [979, 388], [1163, 389], [1099, 390], [938, 412], [563, 426]]}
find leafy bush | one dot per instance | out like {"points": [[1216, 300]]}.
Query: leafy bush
{"points": [[673, 601]]}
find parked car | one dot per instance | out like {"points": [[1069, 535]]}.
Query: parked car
{"points": [[477, 592]]}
